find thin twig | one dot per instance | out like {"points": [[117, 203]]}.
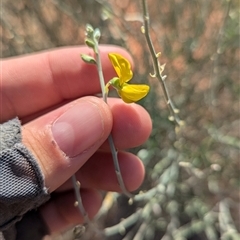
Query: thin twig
{"points": [[110, 138], [117, 167], [124, 224], [79, 204], [76, 184], [158, 69]]}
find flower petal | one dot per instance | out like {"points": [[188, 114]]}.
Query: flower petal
{"points": [[133, 92], [122, 67]]}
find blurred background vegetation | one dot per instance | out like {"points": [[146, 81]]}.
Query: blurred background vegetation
{"points": [[192, 175]]}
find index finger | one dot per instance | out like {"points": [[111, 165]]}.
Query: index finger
{"points": [[35, 82]]}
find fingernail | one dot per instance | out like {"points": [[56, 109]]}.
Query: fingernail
{"points": [[78, 128]]}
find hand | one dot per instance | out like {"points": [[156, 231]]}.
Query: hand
{"points": [[66, 127]]}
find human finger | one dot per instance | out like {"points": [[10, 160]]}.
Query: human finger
{"points": [[64, 139], [99, 173], [35, 82], [132, 124]]}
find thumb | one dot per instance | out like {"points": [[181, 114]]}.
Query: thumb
{"points": [[64, 139]]}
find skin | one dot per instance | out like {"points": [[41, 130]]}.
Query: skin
{"points": [[39, 89]]}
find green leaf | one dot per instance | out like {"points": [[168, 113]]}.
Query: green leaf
{"points": [[90, 43], [88, 59]]}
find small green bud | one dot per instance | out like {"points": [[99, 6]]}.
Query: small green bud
{"points": [[88, 59], [90, 43], [89, 31], [115, 83], [96, 34], [89, 28]]}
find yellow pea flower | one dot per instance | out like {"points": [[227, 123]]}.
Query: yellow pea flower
{"points": [[128, 92]]}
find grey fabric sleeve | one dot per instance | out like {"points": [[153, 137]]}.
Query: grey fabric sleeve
{"points": [[21, 181]]}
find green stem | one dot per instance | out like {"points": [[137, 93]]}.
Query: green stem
{"points": [[79, 204], [110, 139], [100, 72], [157, 66], [124, 224], [117, 167]]}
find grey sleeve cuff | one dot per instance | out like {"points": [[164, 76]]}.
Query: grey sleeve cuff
{"points": [[21, 181]]}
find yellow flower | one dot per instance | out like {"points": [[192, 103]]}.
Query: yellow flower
{"points": [[128, 92]]}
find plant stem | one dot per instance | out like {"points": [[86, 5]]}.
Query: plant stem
{"points": [[100, 72], [78, 203], [117, 167], [124, 224], [110, 138], [157, 66]]}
